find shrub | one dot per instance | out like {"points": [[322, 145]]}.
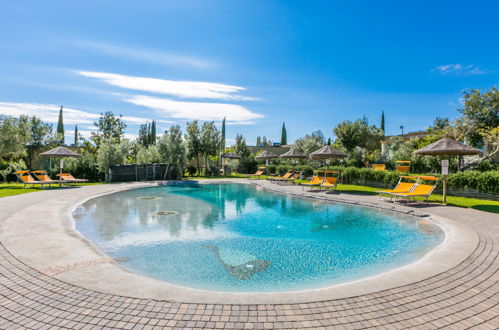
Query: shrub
{"points": [[191, 170]]}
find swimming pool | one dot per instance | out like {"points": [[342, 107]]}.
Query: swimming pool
{"points": [[239, 237]]}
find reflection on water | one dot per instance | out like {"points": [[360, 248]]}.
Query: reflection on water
{"points": [[239, 237]]}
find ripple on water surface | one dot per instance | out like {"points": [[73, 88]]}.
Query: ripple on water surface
{"points": [[235, 237]]}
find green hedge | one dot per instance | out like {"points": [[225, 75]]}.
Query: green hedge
{"points": [[484, 182]]}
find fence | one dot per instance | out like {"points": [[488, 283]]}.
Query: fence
{"points": [[148, 172]]}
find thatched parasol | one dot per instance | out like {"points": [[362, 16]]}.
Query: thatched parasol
{"points": [[293, 154], [327, 152], [447, 147], [266, 155], [60, 152], [230, 155]]}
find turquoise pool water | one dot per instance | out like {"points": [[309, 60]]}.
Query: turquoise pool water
{"points": [[238, 237]]}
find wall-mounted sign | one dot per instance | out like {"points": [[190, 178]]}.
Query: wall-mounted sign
{"points": [[445, 166]]}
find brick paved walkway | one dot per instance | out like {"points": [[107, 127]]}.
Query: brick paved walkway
{"points": [[466, 296]]}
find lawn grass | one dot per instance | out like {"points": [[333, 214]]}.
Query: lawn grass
{"points": [[11, 189]]}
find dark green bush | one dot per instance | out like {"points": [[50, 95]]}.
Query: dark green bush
{"points": [[191, 170], [270, 170]]}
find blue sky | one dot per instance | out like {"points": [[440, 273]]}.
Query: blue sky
{"points": [[308, 63]]}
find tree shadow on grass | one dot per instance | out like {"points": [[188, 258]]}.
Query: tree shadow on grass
{"points": [[487, 208], [356, 192]]}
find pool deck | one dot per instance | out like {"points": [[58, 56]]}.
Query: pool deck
{"points": [[51, 277]]}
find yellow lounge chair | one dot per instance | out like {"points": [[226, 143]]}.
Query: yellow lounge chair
{"points": [[69, 178], [402, 165], [282, 178], [27, 179], [330, 181], [420, 190], [315, 182], [401, 187], [259, 172], [379, 167]]}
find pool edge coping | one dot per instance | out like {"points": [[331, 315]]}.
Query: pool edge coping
{"points": [[459, 243]]}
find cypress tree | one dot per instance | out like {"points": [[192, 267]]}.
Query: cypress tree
{"points": [[383, 122], [329, 141], [60, 127], [284, 137], [223, 135], [153, 132], [76, 135]]}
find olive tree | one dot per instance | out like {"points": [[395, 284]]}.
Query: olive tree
{"points": [[172, 150]]}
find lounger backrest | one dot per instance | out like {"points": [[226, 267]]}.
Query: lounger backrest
{"points": [[379, 167], [404, 187], [287, 175], [24, 176], [330, 180], [317, 179], [422, 189], [42, 175]]}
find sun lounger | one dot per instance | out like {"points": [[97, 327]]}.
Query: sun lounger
{"points": [[285, 177], [43, 176], [401, 187], [315, 182], [27, 179], [259, 172], [420, 190], [69, 178], [329, 182], [402, 165], [291, 178], [379, 167]]}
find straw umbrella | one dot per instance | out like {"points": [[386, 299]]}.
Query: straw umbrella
{"points": [[293, 154], [60, 152], [266, 155], [327, 152], [231, 155], [447, 147]]}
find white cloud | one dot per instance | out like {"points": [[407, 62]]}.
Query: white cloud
{"points": [[146, 55], [459, 69], [182, 89], [47, 112], [50, 113], [235, 114]]}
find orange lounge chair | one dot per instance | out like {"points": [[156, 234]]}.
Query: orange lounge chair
{"points": [[329, 181], [292, 178], [27, 179], [43, 176], [69, 178], [285, 177], [401, 187], [259, 172], [315, 182], [420, 190]]}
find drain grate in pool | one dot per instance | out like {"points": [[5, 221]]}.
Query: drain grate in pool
{"points": [[148, 198], [166, 213]]}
